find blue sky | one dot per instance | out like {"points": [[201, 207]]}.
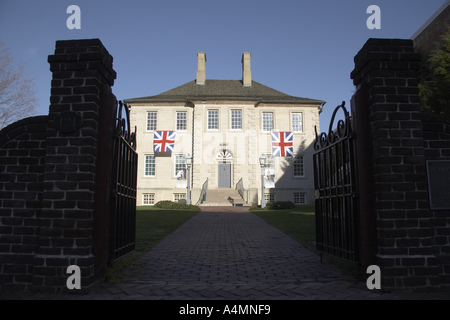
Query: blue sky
{"points": [[302, 48]]}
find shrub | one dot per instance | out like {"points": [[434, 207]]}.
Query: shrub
{"points": [[167, 204], [280, 205]]}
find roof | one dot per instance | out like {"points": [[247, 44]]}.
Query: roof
{"points": [[226, 90], [430, 20]]}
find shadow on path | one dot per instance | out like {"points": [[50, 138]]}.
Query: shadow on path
{"points": [[230, 253]]}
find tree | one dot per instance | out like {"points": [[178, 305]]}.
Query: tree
{"points": [[434, 85], [17, 90]]}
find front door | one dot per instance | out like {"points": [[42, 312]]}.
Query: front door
{"points": [[224, 175]]}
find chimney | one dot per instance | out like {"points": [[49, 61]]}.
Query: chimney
{"points": [[246, 73], [201, 75]]}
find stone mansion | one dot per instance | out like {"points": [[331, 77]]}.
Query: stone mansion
{"points": [[223, 127]]}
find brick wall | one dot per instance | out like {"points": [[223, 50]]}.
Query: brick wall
{"points": [[406, 238], [22, 149], [436, 136], [55, 177]]}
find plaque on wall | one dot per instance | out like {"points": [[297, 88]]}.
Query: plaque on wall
{"points": [[438, 172], [67, 122]]}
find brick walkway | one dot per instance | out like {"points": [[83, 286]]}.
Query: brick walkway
{"points": [[228, 253]]}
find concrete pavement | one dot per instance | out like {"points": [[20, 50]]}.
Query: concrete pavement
{"points": [[227, 253]]}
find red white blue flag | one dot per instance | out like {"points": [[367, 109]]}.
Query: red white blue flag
{"points": [[164, 141], [282, 144]]}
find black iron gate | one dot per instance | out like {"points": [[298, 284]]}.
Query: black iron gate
{"points": [[123, 215], [335, 190]]}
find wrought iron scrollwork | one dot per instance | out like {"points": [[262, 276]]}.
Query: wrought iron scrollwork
{"points": [[123, 124], [336, 197], [342, 131], [124, 185]]}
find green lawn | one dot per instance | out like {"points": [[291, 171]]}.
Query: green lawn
{"points": [[298, 223]]}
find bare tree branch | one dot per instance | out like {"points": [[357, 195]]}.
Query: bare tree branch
{"points": [[17, 90]]}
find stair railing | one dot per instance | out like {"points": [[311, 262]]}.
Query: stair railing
{"points": [[240, 188], [204, 193]]}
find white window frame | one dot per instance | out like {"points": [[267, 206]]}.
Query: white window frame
{"points": [[293, 123], [180, 164], [301, 198], [149, 125], [270, 197], [181, 121], [262, 121], [179, 196], [239, 119], [209, 118], [148, 199], [298, 160], [269, 171], [145, 165]]}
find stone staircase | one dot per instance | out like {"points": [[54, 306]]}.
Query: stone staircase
{"points": [[223, 197]]}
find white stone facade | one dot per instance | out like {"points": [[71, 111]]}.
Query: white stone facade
{"points": [[227, 133]]}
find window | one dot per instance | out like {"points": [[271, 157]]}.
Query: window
{"points": [[148, 198], [270, 197], [236, 119], [213, 119], [149, 166], [269, 172], [299, 198], [181, 120], [298, 166], [267, 121], [151, 121], [179, 196], [297, 122], [180, 167]]}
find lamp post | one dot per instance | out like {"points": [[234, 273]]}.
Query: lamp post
{"points": [[188, 164], [262, 162]]}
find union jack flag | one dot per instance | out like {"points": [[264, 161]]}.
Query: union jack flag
{"points": [[163, 141], [282, 144]]}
